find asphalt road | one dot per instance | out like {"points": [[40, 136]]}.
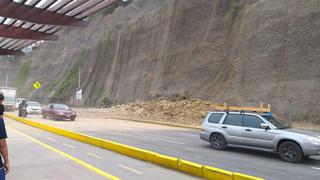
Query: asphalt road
{"points": [[185, 143], [39, 155]]}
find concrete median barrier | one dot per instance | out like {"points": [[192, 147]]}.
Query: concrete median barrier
{"points": [[191, 168], [141, 154], [239, 176], [22, 120], [215, 173], [167, 161]]}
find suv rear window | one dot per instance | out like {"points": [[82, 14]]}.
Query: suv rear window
{"points": [[233, 119], [215, 117]]}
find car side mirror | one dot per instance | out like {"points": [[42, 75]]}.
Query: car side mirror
{"points": [[264, 126]]}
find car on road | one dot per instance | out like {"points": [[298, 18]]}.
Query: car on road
{"points": [[58, 111], [259, 132], [33, 107]]}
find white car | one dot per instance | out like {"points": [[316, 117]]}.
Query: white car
{"points": [[33, 107]]}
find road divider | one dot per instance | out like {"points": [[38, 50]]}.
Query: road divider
{"points": [[191, 168], [167, 161], [215, 173]]}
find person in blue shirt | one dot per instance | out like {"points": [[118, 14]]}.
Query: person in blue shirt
{"points": [[4, 157]]}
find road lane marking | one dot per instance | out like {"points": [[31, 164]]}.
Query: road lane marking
{"points": [[130, 169], [94, 155], [92, 168], [191, 135], [166, 140], [68, 145], [37, 133], [50, 138], [316, 168], [144, 137]]}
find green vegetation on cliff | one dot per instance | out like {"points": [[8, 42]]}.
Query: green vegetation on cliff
{"points": [[105, 61], [21, 79], [68, 82]]}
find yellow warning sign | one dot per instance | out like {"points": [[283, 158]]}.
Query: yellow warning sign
{"points": [[37, 85]]}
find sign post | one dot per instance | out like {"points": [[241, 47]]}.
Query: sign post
{"points": [[79, 95]]}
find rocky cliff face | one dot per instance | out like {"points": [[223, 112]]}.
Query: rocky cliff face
{"points": [[235, 51]]}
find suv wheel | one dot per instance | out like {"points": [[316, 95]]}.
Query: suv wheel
{"points": [[290, 152], [218, 142]]}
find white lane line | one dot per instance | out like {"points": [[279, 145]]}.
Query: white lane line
{"points": [[316, 168], [94, 155], [69, 146], [116, 135], [50, 138], [143, 137], [130, 169], [35, 132], [191, 135], [166, 140]]}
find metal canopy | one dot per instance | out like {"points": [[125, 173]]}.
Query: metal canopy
{"points": [[36, 15], [24, 22], [10, 52], [22, 33]]}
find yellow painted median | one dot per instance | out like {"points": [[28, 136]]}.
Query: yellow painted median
{"points": [[215, 173], [239, 176], [167, 161], [190, 167]]}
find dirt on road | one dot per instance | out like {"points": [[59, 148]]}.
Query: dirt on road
{"points": [[182, 112]]}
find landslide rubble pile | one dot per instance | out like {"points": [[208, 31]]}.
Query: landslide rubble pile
{"points": [[188, 112]]}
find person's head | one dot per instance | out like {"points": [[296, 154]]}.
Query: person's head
{"points": [[1, 98], [23, 101]]}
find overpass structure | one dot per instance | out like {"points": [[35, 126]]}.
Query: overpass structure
{"points": [[25, 22]]}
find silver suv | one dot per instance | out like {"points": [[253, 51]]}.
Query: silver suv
{"points": [[260, 132]]}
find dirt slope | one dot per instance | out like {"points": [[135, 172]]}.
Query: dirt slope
{"points": [[231, 51]]}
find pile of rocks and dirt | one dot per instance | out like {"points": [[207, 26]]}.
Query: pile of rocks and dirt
{"points": [[187, 112]]}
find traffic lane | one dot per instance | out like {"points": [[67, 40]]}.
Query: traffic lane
{"points": [[186, 144], [30, 161], [99, 124], [261, 164], [118, 165]]}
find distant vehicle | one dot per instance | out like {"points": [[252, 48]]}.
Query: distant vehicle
{"points": [[9, 97], [33, 107], [23, 109], [58, 111], [259, 132], [18, 101]]}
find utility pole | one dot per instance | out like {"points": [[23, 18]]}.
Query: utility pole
{"points": [[6, 79], [290, 112], [79, 90], [79, 85]]}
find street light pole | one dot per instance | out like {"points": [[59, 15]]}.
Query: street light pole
{"points": [[6, 70], [290, 112], [6, 79], [79, 85]]}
